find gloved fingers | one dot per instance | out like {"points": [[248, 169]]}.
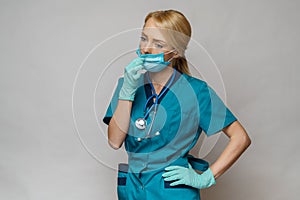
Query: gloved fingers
{"points": [[179, 182], [170, 173], [136, 69], [131, 69], [136, 62], [139, 61], [170, 168], [135, 77], [174, 177]]}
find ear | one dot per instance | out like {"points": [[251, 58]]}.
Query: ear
{"points": [[176, 54]]}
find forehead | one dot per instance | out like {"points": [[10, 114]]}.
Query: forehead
{"points": [[152, 31]]}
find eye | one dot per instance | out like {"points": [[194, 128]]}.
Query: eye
{"points": [[158, 46], [143, 39]]}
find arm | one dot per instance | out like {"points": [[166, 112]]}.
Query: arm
{"points": [[239, 142], [119, 124]]}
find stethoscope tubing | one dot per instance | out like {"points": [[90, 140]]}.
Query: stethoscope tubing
{"points": [[157, 97], [155, 105]]}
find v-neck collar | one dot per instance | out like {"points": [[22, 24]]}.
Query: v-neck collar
{"points": [[148, 91]]}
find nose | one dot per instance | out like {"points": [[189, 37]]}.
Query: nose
{"points": [[147, 49]]}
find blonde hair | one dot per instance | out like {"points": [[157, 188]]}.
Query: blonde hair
{"points": [[178, 33]]}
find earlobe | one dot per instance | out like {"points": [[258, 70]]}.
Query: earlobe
{"points": [[176, 54]]}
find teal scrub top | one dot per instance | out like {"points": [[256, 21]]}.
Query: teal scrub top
{"points": [[188, 107]]}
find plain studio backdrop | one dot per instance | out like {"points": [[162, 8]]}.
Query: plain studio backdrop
{"points": [[60, 61]]}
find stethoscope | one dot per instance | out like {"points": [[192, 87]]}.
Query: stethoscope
{"points": [[141, 123]]}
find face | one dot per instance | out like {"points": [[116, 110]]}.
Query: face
{"points": [[153, 42]]}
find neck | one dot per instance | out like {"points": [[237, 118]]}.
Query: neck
{"points": [[161, 78]]}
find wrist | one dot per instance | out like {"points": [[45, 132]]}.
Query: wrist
{"points": [[208, 177], [126, 94]]}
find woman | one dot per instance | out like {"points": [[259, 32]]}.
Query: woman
{"points": [[160, 114]]}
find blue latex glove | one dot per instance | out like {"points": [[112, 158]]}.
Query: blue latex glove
{"points": [[131, 77], [188, 176]]}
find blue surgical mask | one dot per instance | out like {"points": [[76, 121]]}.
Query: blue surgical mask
{"points": [[153, 62]]}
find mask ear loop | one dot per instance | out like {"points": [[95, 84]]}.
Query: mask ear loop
{"points": [[169, 53]]}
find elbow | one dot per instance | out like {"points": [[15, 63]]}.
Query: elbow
{"points": [[113, 140], [246, 141], [114, 145], [241, 140]]}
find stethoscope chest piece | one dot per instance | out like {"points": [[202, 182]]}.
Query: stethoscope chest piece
{"points": [[141, 123]]}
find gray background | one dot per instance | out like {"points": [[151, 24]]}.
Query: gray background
{"points": [[43, 155]]}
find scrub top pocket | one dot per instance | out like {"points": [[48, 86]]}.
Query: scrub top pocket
{"points": [[180, 192]]}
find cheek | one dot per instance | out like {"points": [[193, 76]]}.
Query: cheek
{"points": [[145, 50], [168, 57], [142, 45]]}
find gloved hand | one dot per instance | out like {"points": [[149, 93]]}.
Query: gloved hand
{"points": [[131, 77], [188, 176]]}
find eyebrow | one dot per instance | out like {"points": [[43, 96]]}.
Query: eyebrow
{"points": [[156, 40]]}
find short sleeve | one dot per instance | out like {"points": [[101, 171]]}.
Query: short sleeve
{"points": [[113, 103], [214, 114]]}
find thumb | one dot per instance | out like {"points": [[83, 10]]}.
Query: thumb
{"points": [[136, 75], [139, 67]]}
